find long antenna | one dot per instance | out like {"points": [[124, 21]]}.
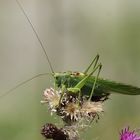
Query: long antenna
{"points": [[22, 83], [36, 34]]}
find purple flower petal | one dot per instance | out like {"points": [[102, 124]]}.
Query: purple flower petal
{"points": [[126, 134]]}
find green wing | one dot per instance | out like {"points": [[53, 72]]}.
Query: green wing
{"points": [[105, 86], [112, 86]]}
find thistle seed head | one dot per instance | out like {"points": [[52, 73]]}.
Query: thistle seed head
{"points": [[52, 98], [68, 109], [50, 131], [71, 108], [72, 132], [95, 107]]}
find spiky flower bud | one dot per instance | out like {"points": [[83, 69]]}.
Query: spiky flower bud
{"points": [[126, 134], [50, 131]]}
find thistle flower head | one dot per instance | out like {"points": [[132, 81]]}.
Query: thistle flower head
{"points": [[72, 132], [90, 110], [69, 109], [126, 134], [51, 97], [50, 131]]}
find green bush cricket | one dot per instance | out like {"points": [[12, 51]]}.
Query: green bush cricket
{"points": [[92, 86], [86, 83], [83, 83]]}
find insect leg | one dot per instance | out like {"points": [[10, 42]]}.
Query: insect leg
{"points": [[94, 84], [63, 89], [62, 93], [83, 81], [94, 61]]}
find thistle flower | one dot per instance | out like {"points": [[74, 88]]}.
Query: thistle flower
{"points": [[126, 134], [71, 131], [51, 97], [69, 109], [50, 131], [90, 110]]}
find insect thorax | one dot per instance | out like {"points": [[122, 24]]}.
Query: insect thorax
{"points": [[69, 79]]}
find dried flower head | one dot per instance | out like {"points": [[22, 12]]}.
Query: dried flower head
{"points": [[72, 132], [50, 131], [51, 97], [69, 109], [126, 134], [90, 110]]}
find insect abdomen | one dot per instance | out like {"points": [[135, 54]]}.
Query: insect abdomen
{"points": [[104, 86]]}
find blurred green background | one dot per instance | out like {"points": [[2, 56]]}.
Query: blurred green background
{"points": [[73, 33]]}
